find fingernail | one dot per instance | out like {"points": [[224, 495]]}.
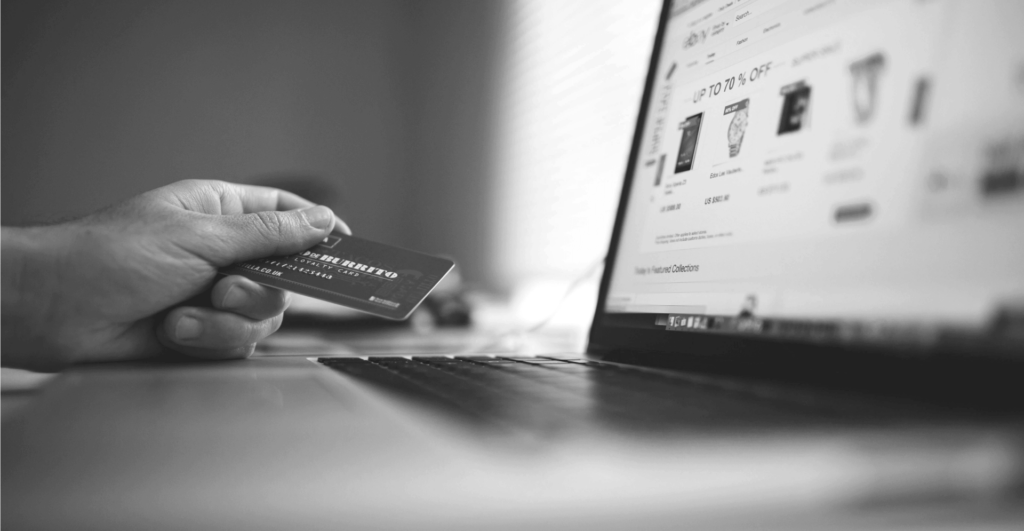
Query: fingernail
{"points": [[235, 298], [188, 328], [341, 226], [319, 217]]}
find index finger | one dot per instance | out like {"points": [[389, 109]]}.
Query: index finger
{"points": [[255, 198]]}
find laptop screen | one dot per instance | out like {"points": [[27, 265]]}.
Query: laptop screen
{"points": [[831, 171]]}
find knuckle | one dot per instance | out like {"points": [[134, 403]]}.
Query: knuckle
{"points": [[269, 224], [190, 186]]}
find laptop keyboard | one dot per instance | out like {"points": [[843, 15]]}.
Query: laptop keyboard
{"points": [[556, 394]]}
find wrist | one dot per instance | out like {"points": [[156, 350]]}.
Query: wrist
{"points": [[31, 259]]}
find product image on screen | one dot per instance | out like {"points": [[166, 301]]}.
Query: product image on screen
{"points": [[866, 74], [688, 144], [796, 103], [738, 125]]}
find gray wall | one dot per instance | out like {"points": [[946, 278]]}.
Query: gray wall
{"points": [[454, 74], [380, 109]]}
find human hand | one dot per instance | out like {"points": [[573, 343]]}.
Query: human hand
{"points": [[134, 280]]}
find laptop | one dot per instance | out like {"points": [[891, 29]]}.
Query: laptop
{"points": [[811, 314]]}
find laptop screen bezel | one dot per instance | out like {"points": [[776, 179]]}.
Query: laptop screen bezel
{"points": [[739, 353]]}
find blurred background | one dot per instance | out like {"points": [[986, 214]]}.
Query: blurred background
{"points": [[493, 132]]}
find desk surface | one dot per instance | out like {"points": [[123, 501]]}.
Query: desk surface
{"points": [[276, 442]]}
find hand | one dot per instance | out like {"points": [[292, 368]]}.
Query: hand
{"points": [[135, 279]]}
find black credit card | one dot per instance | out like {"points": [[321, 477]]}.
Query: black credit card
{"points": [[373, 277]]}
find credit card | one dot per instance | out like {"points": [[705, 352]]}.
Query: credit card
{"points": [[373, 277]]}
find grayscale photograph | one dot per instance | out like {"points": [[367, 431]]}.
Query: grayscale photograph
{"points": [[543, 265]]}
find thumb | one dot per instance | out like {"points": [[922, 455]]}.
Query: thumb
{"points": [[247, 236]]}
